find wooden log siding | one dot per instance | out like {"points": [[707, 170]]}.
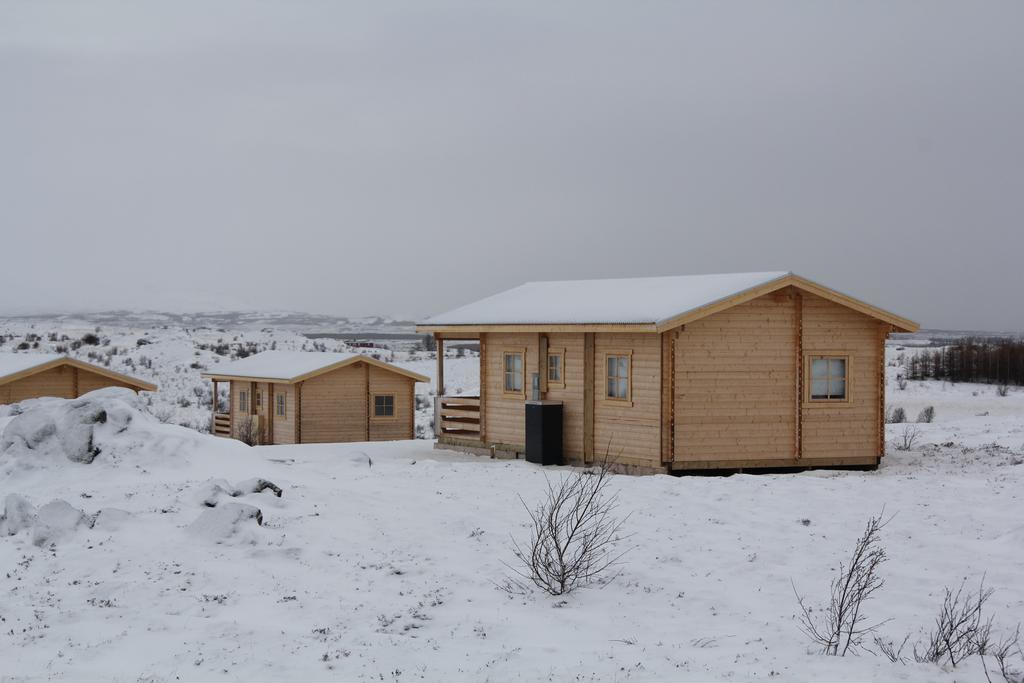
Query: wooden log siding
{"points": [[63, 381], [400, 426], [849, 429], [571, 394], [56, 381], [334, 406], [735, 378], [629, 431], [506, 413], [284, 426]]}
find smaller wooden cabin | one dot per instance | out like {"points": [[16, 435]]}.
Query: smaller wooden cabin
{"points": [[290, 397], [35, 375]]}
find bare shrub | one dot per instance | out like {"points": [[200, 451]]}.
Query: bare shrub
{"points": [[1006, 648], [961, 631], [843, 626], [906, 440], [248, 430], [897, 416], [1003, 390], [574, 538], [926, 415], [901, 382], [890, 650]]}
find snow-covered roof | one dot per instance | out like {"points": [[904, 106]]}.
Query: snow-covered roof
{"points": [[646, 301], [292, 366], [617, 301], [17, 365]]}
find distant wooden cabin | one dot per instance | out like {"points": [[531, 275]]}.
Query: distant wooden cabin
{"points": [[34, 375], [289, 397], [706, 372]]}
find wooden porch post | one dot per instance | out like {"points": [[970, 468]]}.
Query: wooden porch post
{"points": [[213, 417], [440, 363], [542, 364], [271, 412]]}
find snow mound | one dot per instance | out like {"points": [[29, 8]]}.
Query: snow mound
{"points": [[108, 424], [57, 521], [229, 523], [19, 514], [110, 519]]}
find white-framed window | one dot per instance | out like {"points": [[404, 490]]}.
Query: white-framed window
{"points": [[384, 405], [829, 378], [617, 376], [281, 405], [243, 401], [556, 368], [513, 363]]}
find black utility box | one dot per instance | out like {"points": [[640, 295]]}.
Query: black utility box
{"points": [[544, 432]]}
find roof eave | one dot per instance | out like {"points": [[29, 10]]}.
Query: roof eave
{"points": [[141, 385], [477, 328], [315, 373]]}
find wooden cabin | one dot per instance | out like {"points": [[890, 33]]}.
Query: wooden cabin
{"points": [[34, 375], [289, 397], [667, 374]]}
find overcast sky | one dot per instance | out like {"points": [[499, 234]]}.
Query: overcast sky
{"points": [[388, 158]]}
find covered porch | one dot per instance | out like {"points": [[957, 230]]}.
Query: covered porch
{"points": [[458, 417], [220, 422]]}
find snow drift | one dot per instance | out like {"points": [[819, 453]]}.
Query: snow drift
{"points": [[107, 425]]}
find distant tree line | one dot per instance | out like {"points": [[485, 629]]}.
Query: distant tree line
{"points": [[994, 361]]}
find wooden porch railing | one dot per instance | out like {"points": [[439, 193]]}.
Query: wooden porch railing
{"points": [[221, 424], [457, 416]]}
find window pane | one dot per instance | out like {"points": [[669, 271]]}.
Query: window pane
{"points": [[819, 368], [611, 387], [611, 366], [517, 362], [623, 366], [837, 367], [517, 381], [508, 361], [819, 388], [837, 388], [622, 389]]}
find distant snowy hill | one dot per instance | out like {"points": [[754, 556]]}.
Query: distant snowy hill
{"points": [[236, 320]]}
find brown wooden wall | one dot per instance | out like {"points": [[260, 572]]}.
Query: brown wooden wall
{"points": [[505, 413], [58, 382], [90, 381], [738, 389], [735, 374], [847, 430], [572, 394], [628, 430], [284, 427], [334, 406], [401, 425]]}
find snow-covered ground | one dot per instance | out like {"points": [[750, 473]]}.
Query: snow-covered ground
{"points": [[383, 561]]}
